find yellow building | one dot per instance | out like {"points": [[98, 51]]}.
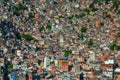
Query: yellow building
{"points": [[118, 78], [60, 62]]}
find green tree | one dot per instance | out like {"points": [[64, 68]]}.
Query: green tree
{"points": [[67, 52], [41, 28], [38, 48], [76, 15], [90, 42], [31, 15], [48, 26], [113, 45], [94, 9], [71, 21], [116, 4], [27, 37], [118, 12], [106, 15], [80, 36], [118, 35], [70, 17], [118, 47], [83, 29], [88, 20], [87, 10], [71, 0], [7, 0], [92, 6], [61, 16], [18, 8], [101, 23], [55, 2], [82, 15], [22, 7], [10, 66], [107, 1], [35, 40], [16, 12]]}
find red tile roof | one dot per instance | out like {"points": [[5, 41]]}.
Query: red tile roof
{"points": [[1, 59], [106, 66], [118, 20]]}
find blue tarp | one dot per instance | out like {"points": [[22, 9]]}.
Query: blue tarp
{"points": [[13, 75]]}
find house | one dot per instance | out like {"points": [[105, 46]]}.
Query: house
{"points": [[18, 52], [92, 55], [2, 59], [64, 66], [107, 69]]}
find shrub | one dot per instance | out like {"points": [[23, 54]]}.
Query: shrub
{"points": [[31, 15], [80, 36], [82, 15]]}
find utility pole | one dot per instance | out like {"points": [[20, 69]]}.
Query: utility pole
{"points": [[86, 75], [113, 72], [114, 62], [5, 77]]}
